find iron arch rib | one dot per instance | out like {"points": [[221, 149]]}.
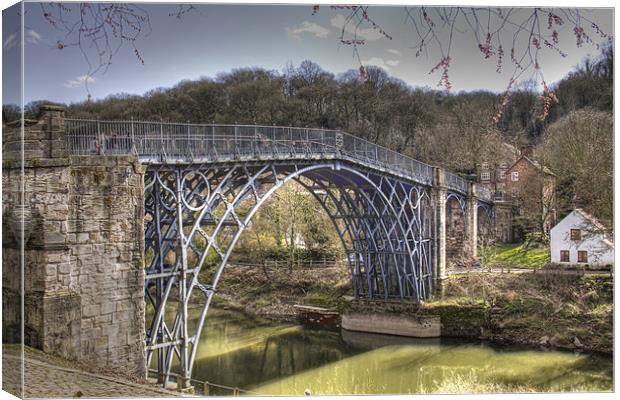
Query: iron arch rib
{"points": [[199, 212]]}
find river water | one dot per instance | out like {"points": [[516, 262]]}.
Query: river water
{"points": [[286, 359]]}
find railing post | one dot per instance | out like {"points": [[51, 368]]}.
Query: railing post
{"points": [[100, 138], [188, 149], [133, 140], [213, 138], [161, 137], [236, 150], [256, 143]]}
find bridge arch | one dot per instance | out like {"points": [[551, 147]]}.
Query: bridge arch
{"points": [[387, 256]]}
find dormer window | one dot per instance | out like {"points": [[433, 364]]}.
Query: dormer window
{"points": [[503, 165], [485, 165]]}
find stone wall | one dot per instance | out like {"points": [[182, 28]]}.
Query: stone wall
{"points": [[457, 248], [83, 266], [502, 222]]}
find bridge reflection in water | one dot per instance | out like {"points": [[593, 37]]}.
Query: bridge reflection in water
{"points": [[281, 359], [203, 183]]}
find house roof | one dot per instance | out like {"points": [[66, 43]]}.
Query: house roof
{"points": [[536, 165], [590, 218], [595, 222], [539, 166]]}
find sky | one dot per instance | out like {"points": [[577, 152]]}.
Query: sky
{"points": [[219, 38]]}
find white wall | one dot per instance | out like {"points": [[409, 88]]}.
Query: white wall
{"points": [[600, 252]]}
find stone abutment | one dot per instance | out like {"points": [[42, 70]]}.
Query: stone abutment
{"points": [[83, 242]]}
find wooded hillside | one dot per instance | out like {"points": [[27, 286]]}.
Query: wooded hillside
{"points": [[452, 130]]}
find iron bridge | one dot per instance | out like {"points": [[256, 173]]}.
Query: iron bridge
{"points": [[203, 183]]}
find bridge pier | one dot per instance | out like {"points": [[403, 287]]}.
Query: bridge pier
{"points": [[83, 246], [439, 202], [472, 221]]}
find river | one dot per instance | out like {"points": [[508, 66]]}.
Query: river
{"points": [[287, 359]]}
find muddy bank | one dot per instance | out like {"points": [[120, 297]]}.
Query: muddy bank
{"points": [[568, 312]]}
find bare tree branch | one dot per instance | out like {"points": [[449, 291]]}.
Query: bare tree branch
{"points": [[530, 32]]}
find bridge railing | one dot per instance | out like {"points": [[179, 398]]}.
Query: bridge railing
{"points": [[183, 142], [456, 183], [484, 194]]}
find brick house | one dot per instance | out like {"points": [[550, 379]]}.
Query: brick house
{"points": [[492, 174], [530, 186]]}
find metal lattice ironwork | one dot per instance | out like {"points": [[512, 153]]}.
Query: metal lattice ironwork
{"points": [[197, 213]]}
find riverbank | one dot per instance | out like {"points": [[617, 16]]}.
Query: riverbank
{"points": [[272, 293], [548, 310]]}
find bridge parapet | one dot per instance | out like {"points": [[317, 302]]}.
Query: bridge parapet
{"points": [[456, 183], [484, 194], [163, 142]]}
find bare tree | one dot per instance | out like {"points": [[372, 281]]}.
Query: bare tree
{"points": [[516, 34], [579, 149]]}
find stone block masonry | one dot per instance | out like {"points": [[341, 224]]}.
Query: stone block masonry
{"points": [[84, 256]]}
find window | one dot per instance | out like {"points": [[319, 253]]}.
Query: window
{"points": [[502, 174], [485, 165], [515, 176], [514, 192], [582, 256], [485, 176], [564, 256], [575, 234], [503, 165]]}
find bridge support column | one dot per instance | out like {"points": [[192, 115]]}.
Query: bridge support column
{"points": [[83, 248], [472, 221], [439, 200]]}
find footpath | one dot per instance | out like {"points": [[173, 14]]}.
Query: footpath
{"points": [[46, 376]]}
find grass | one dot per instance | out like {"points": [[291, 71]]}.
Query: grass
{"points": [[516, 256]]}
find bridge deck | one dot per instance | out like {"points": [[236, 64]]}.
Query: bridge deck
{"points": [[184, 143]]}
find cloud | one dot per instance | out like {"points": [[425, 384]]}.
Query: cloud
{"points": [[79, 81], [32, 36], [14, 40], [370, 34], [395, 52], [11, 41], [381, 63], [377, 62], [308, 27]]}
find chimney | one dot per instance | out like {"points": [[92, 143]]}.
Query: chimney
{"points": [[527, 151]]}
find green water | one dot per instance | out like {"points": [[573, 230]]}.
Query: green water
{"points": [[284, 359]]}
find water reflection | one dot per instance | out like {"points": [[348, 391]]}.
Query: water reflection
{"points": [[281, 359]]}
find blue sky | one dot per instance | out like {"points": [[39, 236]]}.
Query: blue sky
{"points": [[219, 38]]}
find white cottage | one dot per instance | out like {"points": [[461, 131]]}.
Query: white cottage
{"points": [[581, 239]]}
